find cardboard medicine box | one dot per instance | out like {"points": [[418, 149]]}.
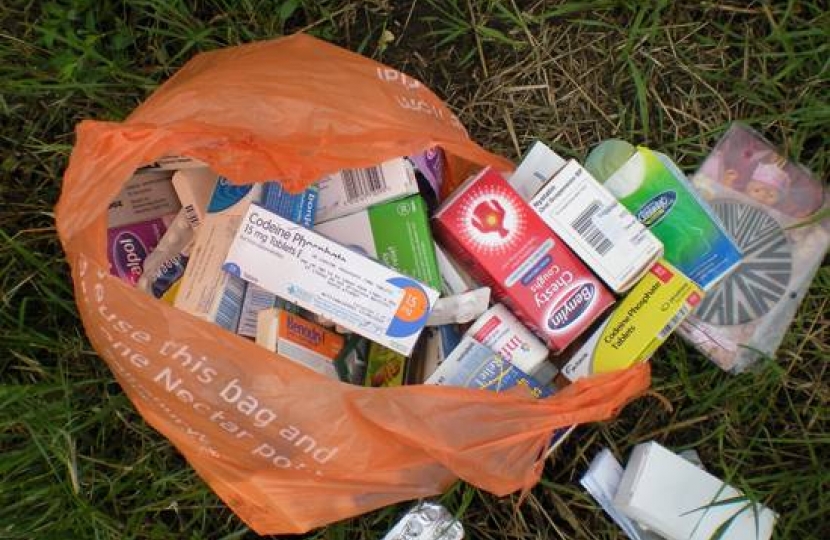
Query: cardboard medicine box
{"points": [[658, 194], [300, 340], [297, 207], [638, 325], [207, 291], [147, 195], [504, 244], [680, 501], [605, 235], [352, 190], [330, 280], [473, 365], [396, 233]]}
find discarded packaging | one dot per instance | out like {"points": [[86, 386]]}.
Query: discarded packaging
{"points": [[165, 266], [299, 340], [501, 331], [473, 365], [206, 291], [503, 243], [538, 166], [395, 233], [431, 164], [384, 367], [439, 342], [427, 521], [194, 188], [606, 236], [353, 190], [330, 280], [657, 193], [130, 245], [300, 208], [601, 481], [454, 280], [679, 501], [148, 195], [638, 325], [766, 203], [460, 308]]}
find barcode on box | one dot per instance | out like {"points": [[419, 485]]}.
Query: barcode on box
{"points": [[674, 322], [586, 228], [256, 300], [230, 306], [362, 183]]}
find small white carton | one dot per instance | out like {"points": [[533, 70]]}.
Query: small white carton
{"points": [[330, 280], [352, 190], [538, 166], [602, 481], [602, 232], [679, 501]]}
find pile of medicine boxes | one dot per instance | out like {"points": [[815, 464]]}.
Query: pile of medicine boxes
{"points": [[527, 280]]}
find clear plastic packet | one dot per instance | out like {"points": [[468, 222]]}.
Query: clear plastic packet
{"points": [[765, 202]]}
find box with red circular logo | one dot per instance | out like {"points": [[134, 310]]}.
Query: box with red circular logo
{"points": [[504, 244]]}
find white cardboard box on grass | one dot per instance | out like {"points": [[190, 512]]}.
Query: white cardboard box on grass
{"points": [[679, 501]]}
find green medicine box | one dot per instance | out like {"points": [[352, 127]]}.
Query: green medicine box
{"points": [[395, 233]]}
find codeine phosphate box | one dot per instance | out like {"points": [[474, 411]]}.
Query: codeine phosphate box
{"points": [[473, 365], [206, 291], [300, 340], [605, 235], [504, 244], [638, 325], [330, 280], [353, 190], [396, 233], [679, 501], [147, 195], [297, 207]]}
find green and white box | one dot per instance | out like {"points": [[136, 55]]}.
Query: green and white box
{"points": [[396, 233]]}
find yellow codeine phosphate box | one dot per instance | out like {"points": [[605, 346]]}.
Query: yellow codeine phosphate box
{"points": [[640, 323]]}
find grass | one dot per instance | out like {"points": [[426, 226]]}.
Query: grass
{"points": [[77, 461]]}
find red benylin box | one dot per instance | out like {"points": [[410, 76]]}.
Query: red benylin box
{"points": [[501, 241]]}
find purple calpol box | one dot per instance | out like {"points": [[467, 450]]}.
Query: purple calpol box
{"points": [[129, 245]]}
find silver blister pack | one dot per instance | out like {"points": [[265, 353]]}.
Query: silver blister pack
{"points": [[427, 521]]}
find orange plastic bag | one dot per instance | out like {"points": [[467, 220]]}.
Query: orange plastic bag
{"points": [[286, 448]]}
